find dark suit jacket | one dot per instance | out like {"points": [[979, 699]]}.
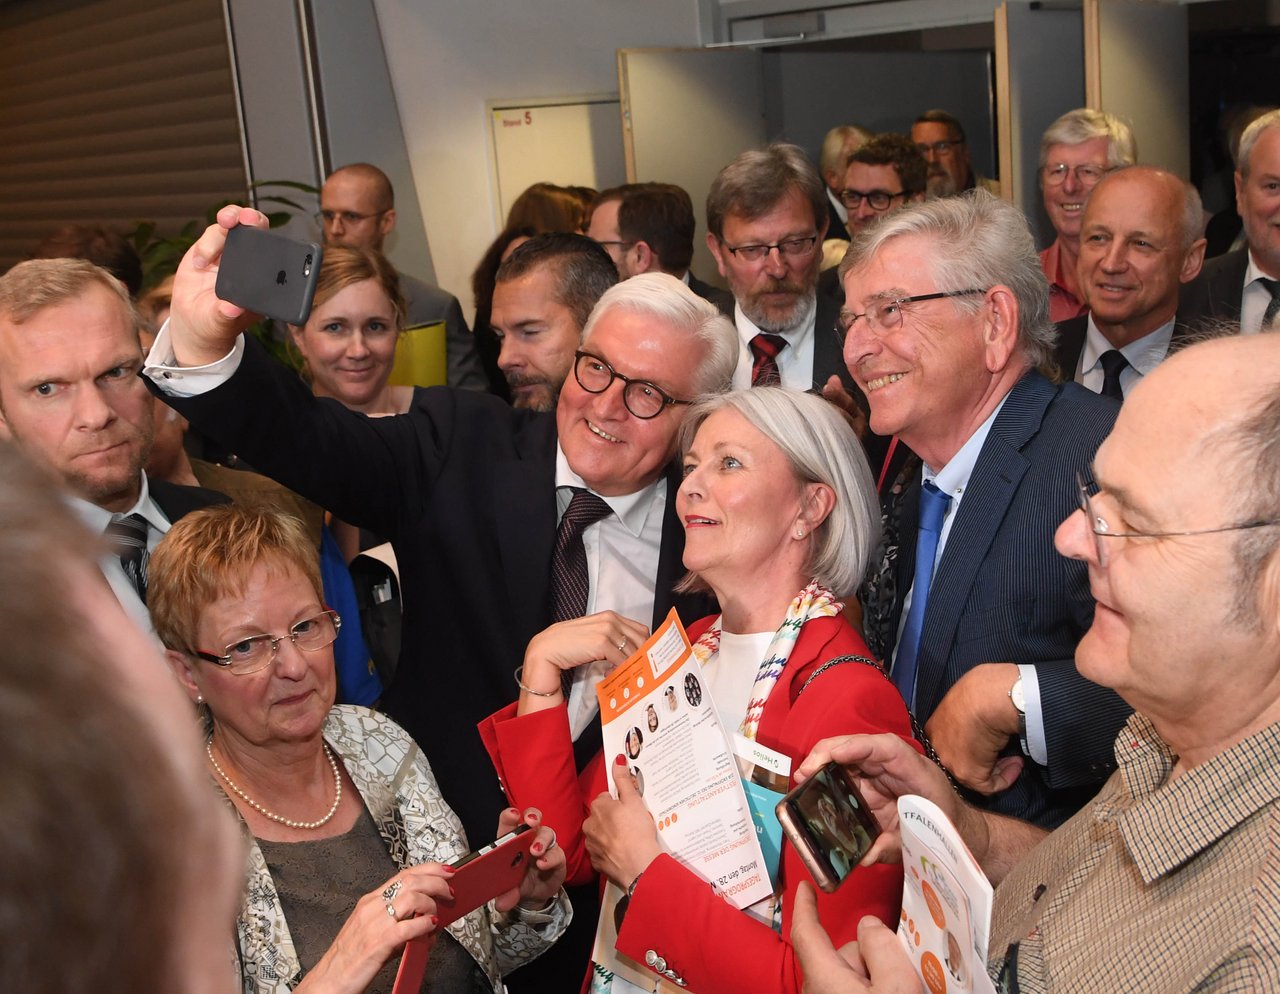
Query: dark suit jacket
{"points": [[1216, 293], [176, 500], [1001, 591], [464, 488], [723, 299], [835, 224], [1071, 338]]}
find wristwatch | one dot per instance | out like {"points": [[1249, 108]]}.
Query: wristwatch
{"points": [[1020, 705]]}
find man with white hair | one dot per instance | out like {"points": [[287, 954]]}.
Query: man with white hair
{"points": [[1244, 286], [946, 317], [1076, 151]]}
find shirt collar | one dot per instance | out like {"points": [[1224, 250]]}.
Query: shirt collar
{"points": [[632, 509], [1253, 272], [1169, 822], [953, 478], [841, 210], [747, 329], [96, 518], [1143, 354]]}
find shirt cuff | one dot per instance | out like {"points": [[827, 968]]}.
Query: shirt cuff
{"points": [[163, 370], [1037, 746]]}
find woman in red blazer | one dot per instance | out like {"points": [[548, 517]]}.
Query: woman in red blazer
{"points": [[780, 518]]}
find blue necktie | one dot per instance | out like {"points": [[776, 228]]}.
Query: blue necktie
{"points": [[933, 507]]}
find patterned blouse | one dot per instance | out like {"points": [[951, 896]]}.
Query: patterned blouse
{"points": [[400, 791]]}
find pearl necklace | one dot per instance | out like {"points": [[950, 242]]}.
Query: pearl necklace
{"points": [[337, 791]]}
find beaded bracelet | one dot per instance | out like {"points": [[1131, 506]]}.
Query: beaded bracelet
{"points": [[530, 690]]}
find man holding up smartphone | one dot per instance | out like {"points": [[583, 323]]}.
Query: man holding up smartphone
{"points": [[1170, 879], [474, 496]]}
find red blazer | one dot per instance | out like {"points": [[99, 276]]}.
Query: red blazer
{"points": [[534, 758]]}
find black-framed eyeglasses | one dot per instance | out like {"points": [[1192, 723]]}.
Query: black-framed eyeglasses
{"points": [[792, 248], [605, 243], [1086, 175], [886, 315], [939, 147], [1089, 489], [251, 654], [878, 200], [347, 217], [643, 399]]}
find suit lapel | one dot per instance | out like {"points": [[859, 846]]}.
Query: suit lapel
{"points": [[1228, 285], [828, 347], [524, 516], [996, 476], [1071, 336]]}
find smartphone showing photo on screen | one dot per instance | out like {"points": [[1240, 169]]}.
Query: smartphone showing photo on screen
{"points": [[829, 824]]}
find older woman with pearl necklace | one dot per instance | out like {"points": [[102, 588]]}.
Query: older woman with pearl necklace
{"points": [[349, 836]]}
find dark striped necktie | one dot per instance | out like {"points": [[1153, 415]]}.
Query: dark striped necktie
{"points": [[128, 539]]}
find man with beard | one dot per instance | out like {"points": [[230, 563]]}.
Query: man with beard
{"points": [[766, 218], [940, 138], [542, 297], [71, 399]]}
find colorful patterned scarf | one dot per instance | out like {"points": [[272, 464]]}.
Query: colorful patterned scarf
{"points": [[814, 601]]}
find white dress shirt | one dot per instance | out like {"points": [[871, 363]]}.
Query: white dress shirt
{"points": [[1254, 299], [622, 562], [1143, 354], [795, 362], [96, 520]]}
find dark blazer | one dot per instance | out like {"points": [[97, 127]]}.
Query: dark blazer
{"points": [[176, 500], [1071, 338], [835, 224], [723, 299], [1216, 293], [1001, 591], [464, 488]]}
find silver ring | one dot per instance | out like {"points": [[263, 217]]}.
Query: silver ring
{"points": [[391, 891], [622, 646], [391, 909], [552, 844]]}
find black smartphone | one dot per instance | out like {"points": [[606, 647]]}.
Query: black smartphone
{"points": [[828, 822], [269, 274]]}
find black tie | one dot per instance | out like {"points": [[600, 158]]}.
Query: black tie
{"points": [[1273, 306], [1113, 364], [569, 578], [128, 539], [764, 365]]}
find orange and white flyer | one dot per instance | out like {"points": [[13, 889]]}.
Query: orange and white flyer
{"points": [[656, 712], [946, 902]]}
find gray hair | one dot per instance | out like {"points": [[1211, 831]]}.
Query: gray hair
{"points": [[757, 180], [977, 240], [821, 448], [1250, 138], [1084, 124], [665, 298]]}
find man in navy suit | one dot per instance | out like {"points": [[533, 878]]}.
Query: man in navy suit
{"points": [[71, 399], [946, 312], [1140, 241], [1244, 286]]}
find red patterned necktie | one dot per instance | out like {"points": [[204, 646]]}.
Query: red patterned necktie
{"points": [[764, 367]]}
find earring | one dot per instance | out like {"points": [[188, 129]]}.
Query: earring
{"points": [[199, 698], [800, 532]]}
